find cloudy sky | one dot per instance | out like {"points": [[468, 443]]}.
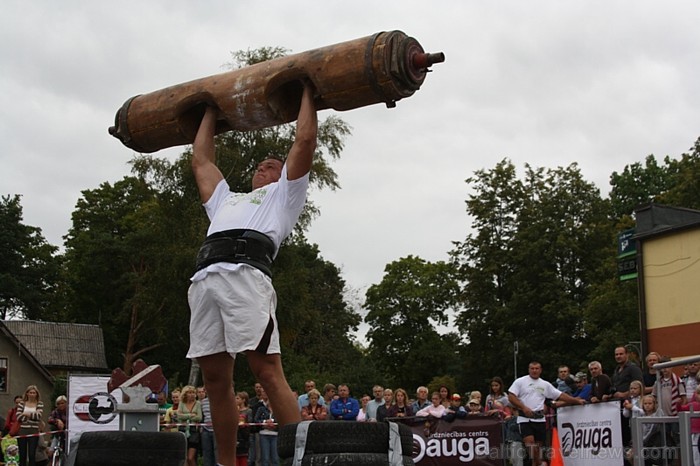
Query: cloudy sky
{"points": [[602, 83]]}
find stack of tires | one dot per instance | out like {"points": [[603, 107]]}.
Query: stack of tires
{"points": [[128, 448], [345, 443]]}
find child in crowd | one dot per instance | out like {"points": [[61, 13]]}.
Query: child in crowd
{"points": [[652, 437], [514, 441], [476, 394], [633, 405], [474, 406], [436, 409], [456, 410]]}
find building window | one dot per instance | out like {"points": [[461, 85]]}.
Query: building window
{"points": [[3, 375]]}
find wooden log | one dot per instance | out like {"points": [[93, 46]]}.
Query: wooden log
{"points": [[385, 67]]}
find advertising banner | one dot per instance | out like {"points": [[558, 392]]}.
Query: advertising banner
{"points": [[591, 434], [475, 440], [90, 406]]}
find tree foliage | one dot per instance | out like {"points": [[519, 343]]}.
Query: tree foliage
{"points": [[413, 297], [29, 267], [528, 267], [675, 182]]}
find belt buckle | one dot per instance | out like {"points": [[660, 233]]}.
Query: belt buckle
{"points": [[240, 247]]}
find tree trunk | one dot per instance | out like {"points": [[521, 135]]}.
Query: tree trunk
{"points": [[194, 373], [384, 67]]}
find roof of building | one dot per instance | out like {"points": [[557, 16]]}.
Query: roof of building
{"points": [[655, 219], [25, 352], [61, 345]]}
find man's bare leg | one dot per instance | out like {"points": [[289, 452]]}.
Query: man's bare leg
{"points": [[217, 373], [533, 450], [267, 369]]}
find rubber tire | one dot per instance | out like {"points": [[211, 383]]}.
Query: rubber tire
{"points": [[131, 448], [344, 437], [347, 459]]}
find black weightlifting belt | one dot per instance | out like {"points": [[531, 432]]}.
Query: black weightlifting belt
{"points": [[239, 246]]}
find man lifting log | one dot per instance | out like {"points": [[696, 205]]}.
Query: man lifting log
{"points": [[231, 297]]}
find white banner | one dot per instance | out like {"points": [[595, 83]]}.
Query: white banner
{"points": [[591, 434], [90, 407]]}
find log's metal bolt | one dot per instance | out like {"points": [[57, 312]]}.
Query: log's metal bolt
{"points": [[426, 60]]}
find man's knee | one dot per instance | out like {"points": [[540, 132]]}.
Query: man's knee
{"points": [[267, 370]]}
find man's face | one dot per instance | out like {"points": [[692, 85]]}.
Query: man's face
{"points": [[343, 391], [258, 389], [268, 171], [161, 398], [595, 371], [309, 385], [534, 370], [693, 368], [378, 392], [422, 394], [201, 393], [563, 372], [620, 355], [652, 359], [580, 383]]}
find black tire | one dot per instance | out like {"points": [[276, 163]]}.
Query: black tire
{"points": [[130, 448], [344, 437], [348, 459]]}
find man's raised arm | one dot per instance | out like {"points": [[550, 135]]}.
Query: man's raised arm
{"points": [[206, 173], [302, 152]]}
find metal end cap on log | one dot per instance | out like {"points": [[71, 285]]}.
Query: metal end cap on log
{"points": [[409, 63]]}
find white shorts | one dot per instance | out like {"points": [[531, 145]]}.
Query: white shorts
{"points": [[233, 312]]}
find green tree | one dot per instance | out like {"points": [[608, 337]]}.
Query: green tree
{"points": [[676, 182], [29, 267], [637, 184], [684, 189], [413, 297], [485, 268], [118, 261], [528, 267]]}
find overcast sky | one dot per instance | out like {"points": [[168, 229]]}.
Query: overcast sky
{"points": [[549, 83]]}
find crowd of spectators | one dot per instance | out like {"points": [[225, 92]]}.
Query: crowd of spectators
{"points": [[637, 392]]}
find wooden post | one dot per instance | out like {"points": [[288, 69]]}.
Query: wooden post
{"points": [[384, 67]]}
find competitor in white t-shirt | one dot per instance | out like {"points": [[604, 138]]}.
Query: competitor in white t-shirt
{"points": [[528, 394], [232, 302]]}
